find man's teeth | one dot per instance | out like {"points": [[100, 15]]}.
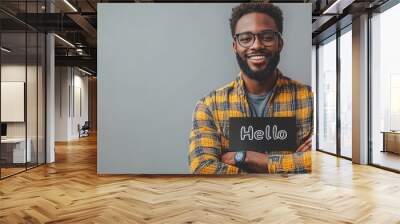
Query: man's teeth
{"points": [[257, 57]]}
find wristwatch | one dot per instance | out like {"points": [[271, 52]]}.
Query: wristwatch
{"points": [[240, 158]]}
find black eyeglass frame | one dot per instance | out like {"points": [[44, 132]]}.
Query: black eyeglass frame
{"points": [[276, 34]]}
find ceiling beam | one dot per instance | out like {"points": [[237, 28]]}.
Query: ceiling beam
{"points": [[83, 61], [83, 23]]}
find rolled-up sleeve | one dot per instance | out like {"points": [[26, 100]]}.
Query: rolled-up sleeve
{"points": [[297, 162], [205, 144]]}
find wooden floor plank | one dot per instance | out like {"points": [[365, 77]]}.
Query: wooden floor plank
{"points": [[70, 191]]}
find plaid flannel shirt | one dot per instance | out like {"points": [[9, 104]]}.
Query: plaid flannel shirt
{"points": [[209, 137]]}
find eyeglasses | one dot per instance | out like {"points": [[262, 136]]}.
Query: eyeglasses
{"points": [[267, 38]]}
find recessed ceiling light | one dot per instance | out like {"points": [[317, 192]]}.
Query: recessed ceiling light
{"points": [[65, 41], [337, 7], [84, 71], [70, 5], [5, 50]]}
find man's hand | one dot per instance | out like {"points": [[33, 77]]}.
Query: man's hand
{"points": [[255, 161], [306, 146], [229, 158]]}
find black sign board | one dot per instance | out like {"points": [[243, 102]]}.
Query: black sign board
{"points": [[262, 134]]}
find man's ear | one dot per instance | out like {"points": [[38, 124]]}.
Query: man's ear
{"points": [[234, 47], [280, 47]]}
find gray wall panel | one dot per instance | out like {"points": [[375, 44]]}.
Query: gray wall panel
{"points": [[154, 62]]}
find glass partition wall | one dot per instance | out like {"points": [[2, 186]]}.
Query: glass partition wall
{"points": [[22, 98], [345, 62], [13, 90], [334, 94], [334, 90], [327, 95], [385, 89]]}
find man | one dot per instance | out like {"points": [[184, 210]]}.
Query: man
{"points": [[260, 90]]}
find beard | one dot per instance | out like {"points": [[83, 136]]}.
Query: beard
{"points": [[261, 75]]}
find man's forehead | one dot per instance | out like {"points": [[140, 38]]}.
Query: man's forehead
{"points": [[255, 22]]}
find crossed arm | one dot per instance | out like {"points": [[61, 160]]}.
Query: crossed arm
{"points": [[257, 162], [207, 157]]}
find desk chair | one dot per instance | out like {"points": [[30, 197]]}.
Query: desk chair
{"points": [[84, 130]]}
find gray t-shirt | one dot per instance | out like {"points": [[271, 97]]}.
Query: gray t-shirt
{"points": [[258, 103]]}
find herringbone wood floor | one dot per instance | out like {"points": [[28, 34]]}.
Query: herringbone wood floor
{"points": [[70, 191]]}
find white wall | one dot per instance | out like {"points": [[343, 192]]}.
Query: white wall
{"points": [[79, 117], [9, 73], [17, 73], [61, 103], [33, 127], [69, 84]]}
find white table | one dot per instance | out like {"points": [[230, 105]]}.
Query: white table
{"points": [[18, 149]]}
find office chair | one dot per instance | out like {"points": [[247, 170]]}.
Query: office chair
{"points": [[84, 130]]}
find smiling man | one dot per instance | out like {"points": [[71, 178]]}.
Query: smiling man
{"points": [[260, 90]]}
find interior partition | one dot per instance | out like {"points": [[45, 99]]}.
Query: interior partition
{"points": [[22, 77]]}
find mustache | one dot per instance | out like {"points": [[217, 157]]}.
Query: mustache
{"points": [[263, 52]]}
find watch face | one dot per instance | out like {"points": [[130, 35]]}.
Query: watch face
{"points": [[239, 156]]}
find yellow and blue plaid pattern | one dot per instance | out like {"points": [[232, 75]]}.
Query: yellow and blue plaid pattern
{"points": [[209, 137]]}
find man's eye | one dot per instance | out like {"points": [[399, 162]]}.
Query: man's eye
{"points": [[268, 37], [245, 39]]}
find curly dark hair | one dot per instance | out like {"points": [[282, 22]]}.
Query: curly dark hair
{"points": [[262, 7]]}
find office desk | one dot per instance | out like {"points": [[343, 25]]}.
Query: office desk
{"points": [[13, 150], [391, 141]]}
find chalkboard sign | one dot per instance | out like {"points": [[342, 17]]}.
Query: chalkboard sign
{"points": [[262, 134]]}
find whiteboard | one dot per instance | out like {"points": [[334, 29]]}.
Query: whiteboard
{"points": [[12, 101]]}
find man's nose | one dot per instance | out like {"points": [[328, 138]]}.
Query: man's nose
{"points": [[257, 43]]}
